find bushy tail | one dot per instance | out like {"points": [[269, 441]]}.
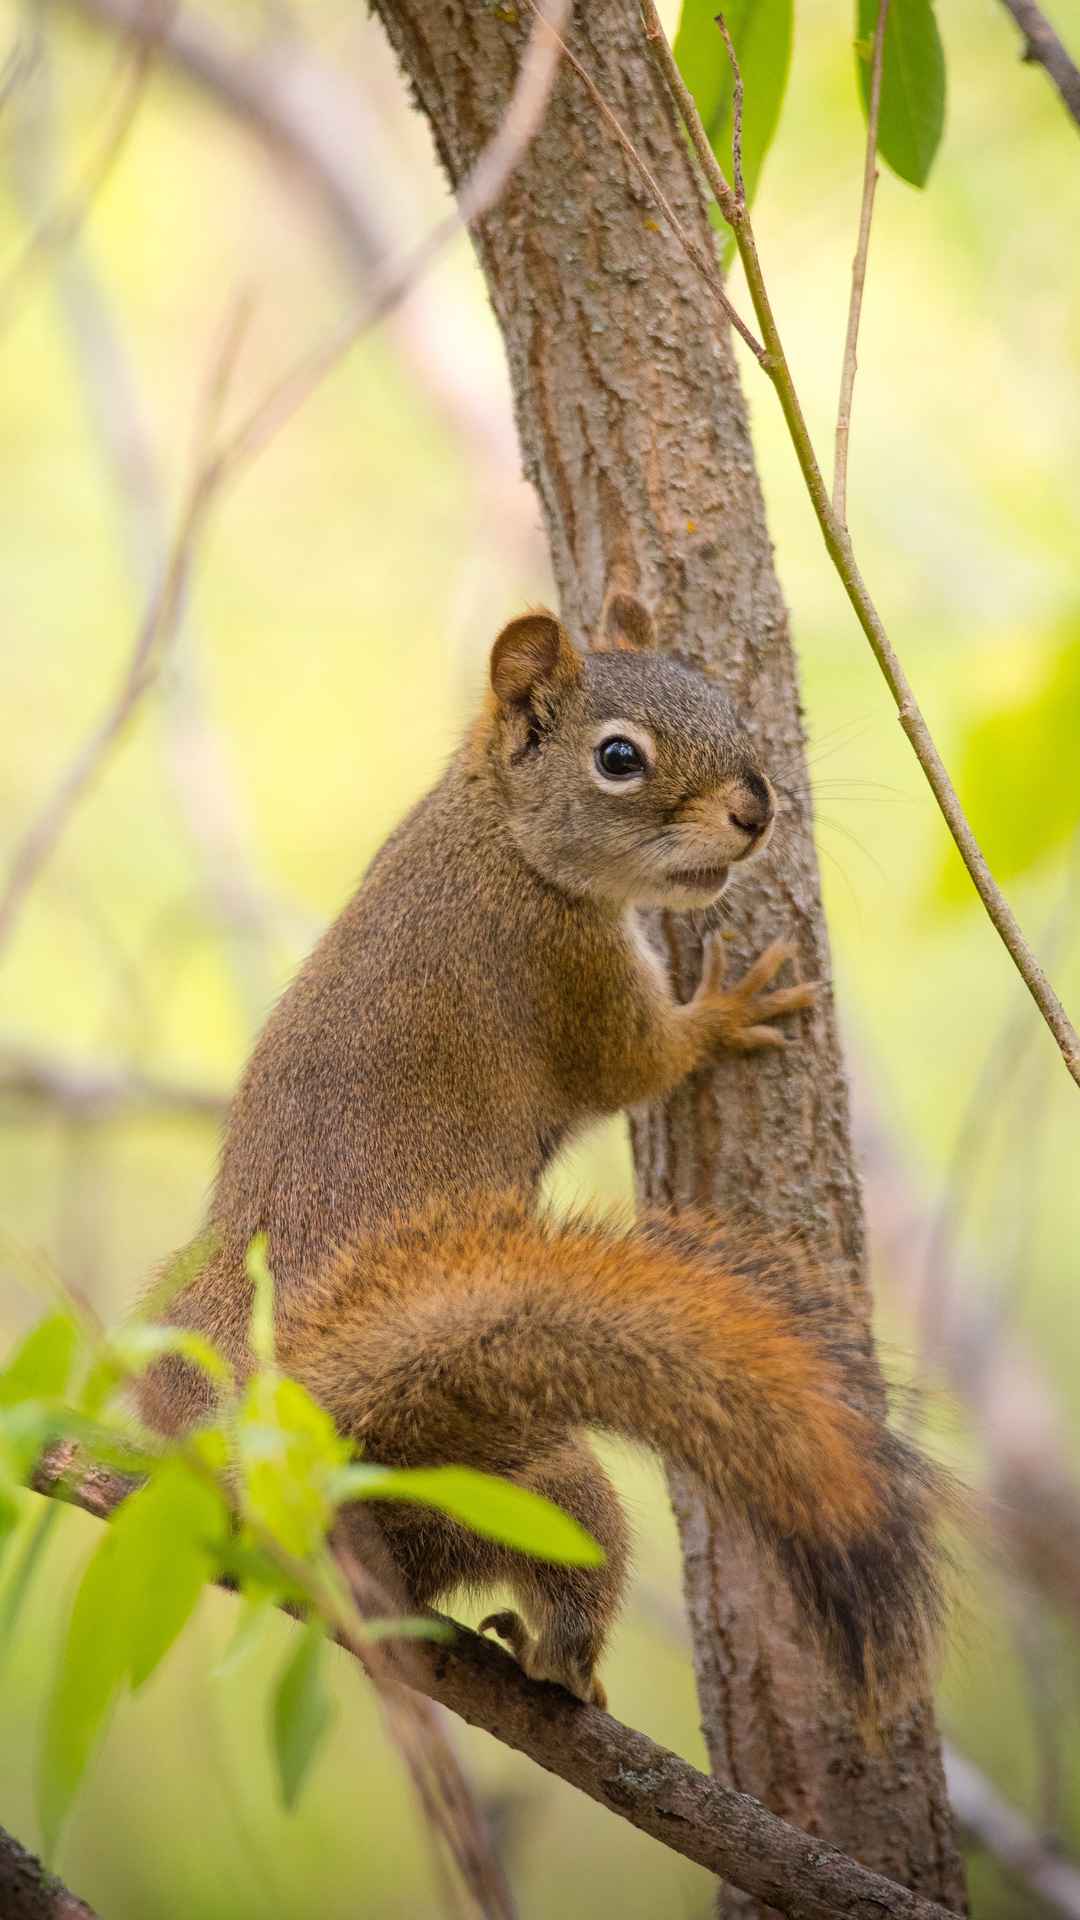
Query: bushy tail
{"points": [[486, 1338]]}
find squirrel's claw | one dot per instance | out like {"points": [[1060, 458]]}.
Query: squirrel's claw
{"points": [[528, 1651], [737, 1012]]}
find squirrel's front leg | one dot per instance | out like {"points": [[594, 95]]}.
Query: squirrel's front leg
{"points": [[720, 1016]]}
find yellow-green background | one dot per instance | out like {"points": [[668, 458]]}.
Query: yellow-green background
{"points": [[343, 603]]}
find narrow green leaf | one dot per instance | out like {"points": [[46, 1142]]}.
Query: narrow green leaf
{"points": [[165, 1537], [911, 119], [41, 1366], [21, 1579], [256, 1614], [262, 1302], [495, 1508], [761, 32], [302, 1712], [92, 1665], [289, 1452]]}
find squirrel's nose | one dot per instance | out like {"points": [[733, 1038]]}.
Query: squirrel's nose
{"points": [[751, 805]]}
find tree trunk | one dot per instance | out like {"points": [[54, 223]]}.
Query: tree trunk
{"points": [[634, 433]]}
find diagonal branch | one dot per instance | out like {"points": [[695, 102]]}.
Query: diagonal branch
{"points": [[642, 1782], [1043, 47], [1010, 1838]]}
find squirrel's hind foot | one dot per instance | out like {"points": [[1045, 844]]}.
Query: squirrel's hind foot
{"points": [[541, 1660]]}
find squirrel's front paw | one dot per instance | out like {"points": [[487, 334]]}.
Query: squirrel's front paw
{"points": [[541, 1662], [736, 1013]]}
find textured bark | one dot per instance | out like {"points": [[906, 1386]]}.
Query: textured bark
{"points": [[634, 433], [28, 1892]]}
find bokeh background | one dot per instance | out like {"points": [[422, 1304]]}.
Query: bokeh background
{"points": [[344, 597]]}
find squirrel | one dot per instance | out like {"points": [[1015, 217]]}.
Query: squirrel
{"points": [[485, 993]]}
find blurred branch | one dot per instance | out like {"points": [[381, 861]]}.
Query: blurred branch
{"points": [[29, 1892], [838, 541], [152, 637], [293, 100], [1010, 1838], [86, 1092], [651, 1788], [1043, 47], [858, 271], [201, 775], [59, 225], [1037, 1497]]}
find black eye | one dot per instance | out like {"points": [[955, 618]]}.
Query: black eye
{"points": [[618, 758]]}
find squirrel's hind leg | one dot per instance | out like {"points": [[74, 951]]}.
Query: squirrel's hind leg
{"points": [[572, 1609]]}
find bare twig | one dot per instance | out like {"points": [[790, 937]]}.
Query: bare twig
{"points": [[86, 1092], [839, 547], [151, 640], [858, 269], [1010, 1838], [651, 1788], [706, 267], [1045, 49], [29, 1892]]}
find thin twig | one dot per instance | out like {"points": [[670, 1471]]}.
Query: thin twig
{"points": [[1010, 1838], [736, 118], [858, 269], [839, 547], [705, 266], [151, 641], [1045, 49], [651, 1788]]}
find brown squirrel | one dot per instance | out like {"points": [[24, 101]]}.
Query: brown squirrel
{"points": [[485, 993]]}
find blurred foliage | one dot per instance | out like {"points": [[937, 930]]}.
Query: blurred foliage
{"points": [[335, 641]]}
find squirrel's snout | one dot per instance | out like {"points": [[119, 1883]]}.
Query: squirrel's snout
{"points": [[751, 805]]}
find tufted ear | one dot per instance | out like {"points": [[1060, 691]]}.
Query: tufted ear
{"points": [[532, 654], [625, 626]]}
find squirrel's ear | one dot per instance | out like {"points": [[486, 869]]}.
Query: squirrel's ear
{"points": [[534, 651], [625, 626]]}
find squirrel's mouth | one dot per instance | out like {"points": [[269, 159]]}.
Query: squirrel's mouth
{"points": [[703, 878]]}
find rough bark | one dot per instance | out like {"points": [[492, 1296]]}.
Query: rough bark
{"points": [[634, 432], [28, 1892]]}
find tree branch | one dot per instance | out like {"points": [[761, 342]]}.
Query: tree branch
{"points": [[632, 1776], [1043, 47], [29, 1892]]}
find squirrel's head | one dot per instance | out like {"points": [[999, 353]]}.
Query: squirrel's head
{"points": [[624, 774]]}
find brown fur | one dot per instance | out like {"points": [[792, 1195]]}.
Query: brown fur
{"points": [[484, 994]]}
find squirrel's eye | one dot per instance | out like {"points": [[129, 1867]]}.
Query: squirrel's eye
{"points": [[618, 758]]}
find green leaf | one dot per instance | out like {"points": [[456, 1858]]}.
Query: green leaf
{"points": [[262, 1304], [761, 32], [41, 1366], [166, 1535], [92, 1666], [289, 1452], [256, 1614], [1016, 771], [302, 1712], [911, 118], [495, 1508]]}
